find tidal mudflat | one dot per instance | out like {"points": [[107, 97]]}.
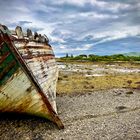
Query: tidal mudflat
{"points": [[81, 78], [97, 101]]}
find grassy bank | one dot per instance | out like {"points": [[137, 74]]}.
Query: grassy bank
{"points": [[96, 58]]}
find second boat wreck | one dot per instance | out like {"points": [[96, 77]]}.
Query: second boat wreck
{"points": [[28, 74]]}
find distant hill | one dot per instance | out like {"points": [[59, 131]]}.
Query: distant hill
{"points": [[132, 54]]}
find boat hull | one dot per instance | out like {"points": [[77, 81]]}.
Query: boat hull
{"points": [[41, 63], [21, 97], [20, 88]]}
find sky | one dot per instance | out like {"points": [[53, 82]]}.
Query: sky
{"points": [[101, 27]]}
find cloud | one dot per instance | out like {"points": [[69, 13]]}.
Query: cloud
{"points": [[57, 39], [84, 48], [122, 32], [22, 23], [113, 6], [93, 15], [76, 26]]}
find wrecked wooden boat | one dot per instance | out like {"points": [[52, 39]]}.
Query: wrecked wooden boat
{"points": [[28, 74]]}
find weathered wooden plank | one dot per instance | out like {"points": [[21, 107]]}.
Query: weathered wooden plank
{"points": [[19, 99], [38, 64], [28, 96]]}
